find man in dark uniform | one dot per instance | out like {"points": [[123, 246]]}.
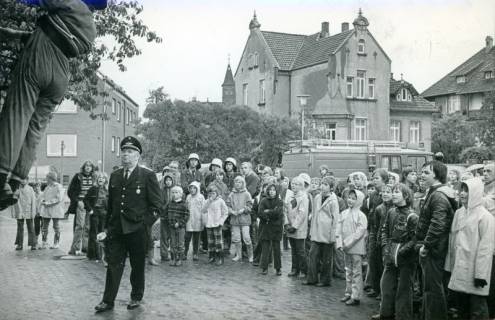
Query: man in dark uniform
{"points": [[134, 201], [39, 82]]}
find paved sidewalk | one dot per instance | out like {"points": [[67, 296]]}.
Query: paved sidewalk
{"points": [[38, 285]]}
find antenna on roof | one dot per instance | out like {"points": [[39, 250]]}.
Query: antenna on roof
{"points": [[228, 58]]}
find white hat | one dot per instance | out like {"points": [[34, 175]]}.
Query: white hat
{"points": [[231, 160], [216, 162], [193, 156]]}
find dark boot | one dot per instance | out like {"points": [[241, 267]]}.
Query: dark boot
{"points": [[172, 259], [212, 257], [219, 258]]}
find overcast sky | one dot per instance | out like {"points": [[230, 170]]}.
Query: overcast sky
{"points": [[425, 39]]}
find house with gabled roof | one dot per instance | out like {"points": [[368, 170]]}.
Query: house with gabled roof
{"points": [[463, 89], [411, 115], [345, 76]]}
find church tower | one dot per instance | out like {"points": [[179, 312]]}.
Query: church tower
{"points": [[228, 88]]}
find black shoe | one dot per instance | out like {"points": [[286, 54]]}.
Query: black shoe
{"points": [[18, 247], [212, 257], [279, 272], [219, 260], [8, 197], [264, 272], [307, 283], [165, 258], [322, 284], [103, 306], [372, 294], [133, 304], [256, 263]]}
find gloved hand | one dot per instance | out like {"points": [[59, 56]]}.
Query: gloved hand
{"points": [[480, 283], [291, 229]]}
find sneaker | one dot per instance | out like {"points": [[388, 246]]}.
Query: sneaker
{"points": [[264, 272], [293, 273], [55, 246], [236, 258], [345, 299]]}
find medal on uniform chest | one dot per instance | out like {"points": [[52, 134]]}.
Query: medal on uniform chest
{"points": [[138, 191]]}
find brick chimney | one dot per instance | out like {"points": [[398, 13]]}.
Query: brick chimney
{"points": [[325, 29], [489, 43], [345, 26]]}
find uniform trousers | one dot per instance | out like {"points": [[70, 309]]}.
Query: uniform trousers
{"points": [[117, 247]]}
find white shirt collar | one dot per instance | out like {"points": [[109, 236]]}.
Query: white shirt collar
{"points": [[130, 170]]}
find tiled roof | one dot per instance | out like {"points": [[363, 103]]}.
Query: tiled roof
{"points": [[418, 103], [474, 69], [395, 85], [284, 47], [295, 51], [316, 51]]}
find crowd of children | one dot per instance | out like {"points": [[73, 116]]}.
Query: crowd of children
{"points": [[424, 241]]}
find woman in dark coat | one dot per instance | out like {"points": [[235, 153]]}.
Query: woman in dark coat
{"points": [[270, 213]]}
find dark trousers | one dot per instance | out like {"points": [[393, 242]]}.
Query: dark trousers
{"points": [[177, 242], [37, 225], [269, 247], [116, 248], [96, 225], [194, 235], [471, 306], [320, 262], [298, 255], [164, 238], [38, 84], [204, 240], [19, 239], [375, 265], [338, 262], [397, 291], [434, 297], [491, 294], [258, 248]]}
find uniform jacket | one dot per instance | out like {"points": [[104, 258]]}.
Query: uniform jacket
{"points": [[54, 205], [177, 212], [297, 215], [471, 244], [351, 230], [271, 215], [324, 219], [240, 204], [435, 220], [194, 205], [398, 236], [132, 202], [214, 212], [93, 196], [25, 208]]}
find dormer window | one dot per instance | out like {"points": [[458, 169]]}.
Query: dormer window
{"points": [[404, 95], [488, 74], [256, 59], [460, 79], [360, 46]]}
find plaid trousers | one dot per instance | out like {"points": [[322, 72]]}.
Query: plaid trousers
{"points": [[215, 240]]}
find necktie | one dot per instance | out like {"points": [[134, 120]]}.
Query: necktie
{"points": [[126, 174]]}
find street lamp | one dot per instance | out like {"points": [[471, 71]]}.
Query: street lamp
{"points": [[303, 101]]}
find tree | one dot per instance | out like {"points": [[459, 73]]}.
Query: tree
{"points": [[119, 25], [451, 134], [487, 122], [478, 153], [176, 128]]}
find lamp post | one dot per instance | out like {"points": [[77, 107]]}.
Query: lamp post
{"points": [[62, 147], [303, 101]]}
